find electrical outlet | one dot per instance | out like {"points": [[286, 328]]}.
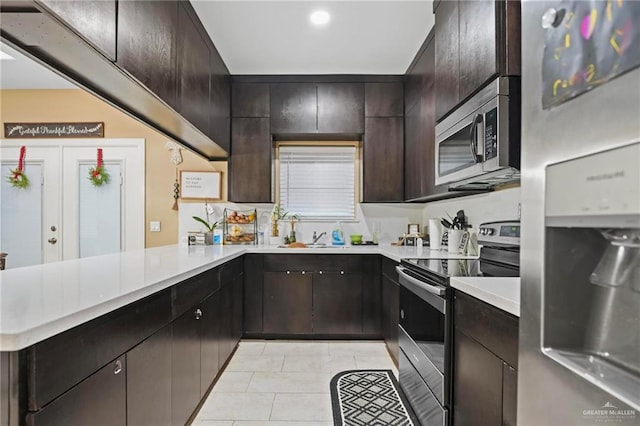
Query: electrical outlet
{"points": [[154, 226]]}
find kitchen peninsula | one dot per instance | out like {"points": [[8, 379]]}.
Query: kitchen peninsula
{"points": [[71, 331]]}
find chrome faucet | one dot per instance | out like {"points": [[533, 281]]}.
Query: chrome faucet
{"points": [[317, 237]]}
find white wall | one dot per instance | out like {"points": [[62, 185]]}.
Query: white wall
{"points": [[393, 219], [487, 207]]}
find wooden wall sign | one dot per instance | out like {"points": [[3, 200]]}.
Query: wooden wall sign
{"points": [[53, 130]]}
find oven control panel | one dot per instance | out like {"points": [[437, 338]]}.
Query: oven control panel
{"points": [[500, 233]]}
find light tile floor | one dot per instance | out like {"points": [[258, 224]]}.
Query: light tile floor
{"points": [[285, 383]]}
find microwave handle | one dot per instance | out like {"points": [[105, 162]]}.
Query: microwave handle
{"points": [[474, 138]]}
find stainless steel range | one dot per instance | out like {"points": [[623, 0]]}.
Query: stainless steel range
{"points": [[426, 320]]}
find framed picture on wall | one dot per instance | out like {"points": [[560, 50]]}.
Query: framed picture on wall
{"points": [[200, 185]]}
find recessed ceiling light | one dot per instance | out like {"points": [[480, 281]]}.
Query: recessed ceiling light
{"points": [[4, 56], [320, 17]]}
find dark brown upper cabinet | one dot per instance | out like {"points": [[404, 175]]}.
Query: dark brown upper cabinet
{"points": [[220, 101], [194, 68], [294, 108], [383, 152], [341, 108], [307, 108], [420, 122], [476, 41], [95, 21], [447, 57], [250, 100], [250, 161], [383, 99], [147, 44]]}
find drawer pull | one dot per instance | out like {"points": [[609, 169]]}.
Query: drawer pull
{"points": [[118, 367], [198, 314]]}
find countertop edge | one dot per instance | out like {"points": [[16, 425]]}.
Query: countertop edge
{"points": [[487, 293], [18, 339]]}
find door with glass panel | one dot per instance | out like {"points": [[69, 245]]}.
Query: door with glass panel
{"points": [[62, 215], [102, 219], [30, 217]]}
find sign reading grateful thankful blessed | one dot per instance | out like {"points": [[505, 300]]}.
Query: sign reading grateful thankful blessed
{"points": [[53, 130]]}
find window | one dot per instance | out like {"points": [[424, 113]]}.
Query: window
{"points": [[318, 182]]}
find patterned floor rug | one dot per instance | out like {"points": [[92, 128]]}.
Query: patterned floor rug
{"points": [[371, 398]]}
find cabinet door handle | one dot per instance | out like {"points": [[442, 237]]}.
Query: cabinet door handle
{"points": [[288, 272], [198, 314], [341, 272], [118, 367], [320, 272], [303, 272]]}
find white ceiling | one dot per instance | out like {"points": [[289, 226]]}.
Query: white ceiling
{"points": [[276, 37], [22, 72]]}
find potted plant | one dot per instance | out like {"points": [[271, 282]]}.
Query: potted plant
{"points": [[278, 214], [208, 236]]}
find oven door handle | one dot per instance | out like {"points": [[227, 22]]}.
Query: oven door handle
{"points": [[438, 291]]}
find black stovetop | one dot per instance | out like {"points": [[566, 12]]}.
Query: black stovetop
{"points": [[493, 262]]}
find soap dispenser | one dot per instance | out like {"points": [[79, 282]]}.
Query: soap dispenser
{"points": [[337, 237]]}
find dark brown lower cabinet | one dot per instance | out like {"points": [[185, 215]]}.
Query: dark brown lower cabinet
{"points": [[211, 331], [236, 310], [509, 395], [99, 400], [287, 303], [253, 293], [477, 383], [390, 315], [163, 369], [337, 303], [185, 384], [485, 343], [313, 295], [149, 381]]}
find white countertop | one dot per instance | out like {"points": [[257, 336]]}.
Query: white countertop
{"points": [[501, 292], [38, 302]]}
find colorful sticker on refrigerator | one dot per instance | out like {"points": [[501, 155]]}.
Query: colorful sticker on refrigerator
{"points": [[588, 44]]}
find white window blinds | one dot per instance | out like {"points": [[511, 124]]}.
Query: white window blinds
{"points": [[318, 182]]}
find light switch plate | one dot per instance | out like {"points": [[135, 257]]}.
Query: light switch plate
{"points": [[154, 226]]}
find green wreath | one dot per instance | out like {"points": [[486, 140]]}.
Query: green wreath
{"points": [[18, 179], [98, 176]]}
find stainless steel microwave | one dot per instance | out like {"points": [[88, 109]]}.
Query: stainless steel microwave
{"points": [[478, 145]]}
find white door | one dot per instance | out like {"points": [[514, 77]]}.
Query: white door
{"points": [[108, 218], [62, 215], [30, 217]]}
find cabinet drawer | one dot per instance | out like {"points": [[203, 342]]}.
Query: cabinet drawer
{"points": [[190, 292], [494, 329], [321, 262], [100, 400], [57, 364]]}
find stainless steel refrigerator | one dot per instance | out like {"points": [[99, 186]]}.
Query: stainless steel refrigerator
{"points": [[579, 358]]}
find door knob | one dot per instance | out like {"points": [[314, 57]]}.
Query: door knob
{"points": [[52, 240]]}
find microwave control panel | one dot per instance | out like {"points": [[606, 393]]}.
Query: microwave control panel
{"points": [[491, 134]]}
